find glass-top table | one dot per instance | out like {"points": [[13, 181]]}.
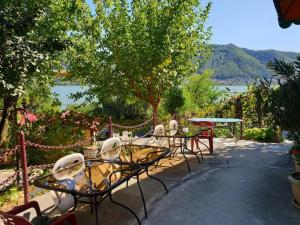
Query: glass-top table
{"points": [[144, 156], [90, 182], [216, 120], [180, 141]]}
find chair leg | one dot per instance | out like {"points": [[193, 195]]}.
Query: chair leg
{"points": [[175, 151], [198, 147], [92, 205], [201, 154]]}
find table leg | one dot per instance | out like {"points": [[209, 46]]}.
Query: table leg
{"points": [[193, 152], [92, 205], [121, 205], [183, 153], [234, 132], [155, 178], [142, 195], [96, 209], [241, 130]]}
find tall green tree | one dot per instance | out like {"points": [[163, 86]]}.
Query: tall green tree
{"points": [[32, 34], [143, 48]]}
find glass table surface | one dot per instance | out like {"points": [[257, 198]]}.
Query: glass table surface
{"points": [[142, 154], [96, 177]]}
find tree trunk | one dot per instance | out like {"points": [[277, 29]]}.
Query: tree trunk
{"points": [[155, 113], [9, 107]]}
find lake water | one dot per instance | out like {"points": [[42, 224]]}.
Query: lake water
{"points": [[233, 89], [65, 92]]}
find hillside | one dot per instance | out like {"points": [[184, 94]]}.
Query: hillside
{"points": [[235, 65]]}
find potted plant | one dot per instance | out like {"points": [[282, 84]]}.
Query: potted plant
{"points": [[294, 178], [295, 152]]}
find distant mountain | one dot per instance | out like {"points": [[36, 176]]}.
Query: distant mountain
{"points": [[235, 65]]}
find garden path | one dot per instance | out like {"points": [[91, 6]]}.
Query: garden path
{"points": [[245, 184]]}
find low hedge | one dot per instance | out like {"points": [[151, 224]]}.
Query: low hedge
{"points": [[262, 134]]}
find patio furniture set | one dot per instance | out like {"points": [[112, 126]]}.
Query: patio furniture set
{"points": [[77, 179]]}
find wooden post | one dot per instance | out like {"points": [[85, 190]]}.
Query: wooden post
{"points": [[110, 127], [24, 166], [17, 156]]}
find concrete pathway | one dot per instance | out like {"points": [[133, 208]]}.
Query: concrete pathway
{"points": [[245, 184]]}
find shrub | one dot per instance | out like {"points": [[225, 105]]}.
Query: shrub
{"points": [[261, 134], [222, 132], [285, 102], [57, 130]]}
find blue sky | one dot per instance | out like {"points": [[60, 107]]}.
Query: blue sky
{"points": [[250, 24]]}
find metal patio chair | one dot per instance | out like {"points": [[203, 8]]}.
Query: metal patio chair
{"points": [[174, 142], [207, 134], [62, 200], [111, 149], [158, 137], [13, 216]]}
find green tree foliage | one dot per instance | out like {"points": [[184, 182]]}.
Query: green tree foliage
{"points": [[32, 33], [123, 109], [142, 48], [174, 100], [40, 99], [201, 90], [252, 106], [285, 102]]}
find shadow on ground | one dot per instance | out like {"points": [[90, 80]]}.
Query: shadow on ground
{"points": [[172, 172]]}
